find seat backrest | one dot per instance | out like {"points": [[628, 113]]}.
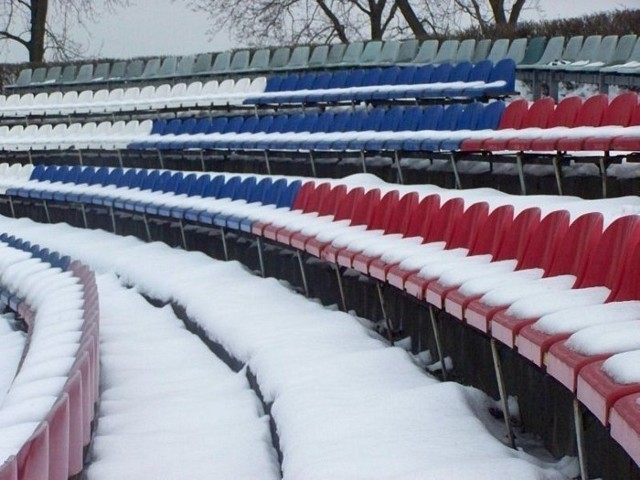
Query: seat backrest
{"points": [[572, 49], [491, 116], [364, 209], [566, 112], [334, 55], [202, 63], [447, 52], [539, 113], [352, 53], [441, 227], [38, 76], [329, 203], [24, 77], [244, 189], [471, 116], [346, 208], [460, 73], [535, 49], [498, 50], [408, 50], [513, 114], [134, 69], [370, 53], [545, 241], [489, 237], [467, 229], [450, 117], [221, 63], [465, 50], [614, 248], [240, 60], [389, 52], [427, 52], [517, 237], [571, 255], [480, 71], [517, 50], [482, 50], [318, 56], [606, 49], [186, 65], [627, 286], [382, 215], [260, 60], [68, 74], [589, 48], [552, 52], [299, 57], [168, 67], [280, 57], [401, 214], [228, 188], [151, 68], [214, 187], [620, 110], [592, 111], [441, 73], [256, 194]]}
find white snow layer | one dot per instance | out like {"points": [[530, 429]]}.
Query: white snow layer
{"points": [[169, 408], [346, 405]]}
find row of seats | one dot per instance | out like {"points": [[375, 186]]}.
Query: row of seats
{"points": [[531, 277], [46, 417], [610, 55], [444, 81], [392, 83], [357, 54], [132, 99]]}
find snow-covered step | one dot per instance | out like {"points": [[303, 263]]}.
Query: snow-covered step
{"points": [[345, 404], [169, 408]]}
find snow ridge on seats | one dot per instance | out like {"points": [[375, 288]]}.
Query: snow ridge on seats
{"points": [[46, 415]]}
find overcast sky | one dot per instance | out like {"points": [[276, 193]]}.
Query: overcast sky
{"points": [[166, 27]]}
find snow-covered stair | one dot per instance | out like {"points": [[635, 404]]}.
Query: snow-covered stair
{"points": [[169, 408]]}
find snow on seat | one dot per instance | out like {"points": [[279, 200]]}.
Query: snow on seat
{"points": [[600, 281]]}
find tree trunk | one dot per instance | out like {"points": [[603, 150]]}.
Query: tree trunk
{"points": [[38, 30], [412, 19]]}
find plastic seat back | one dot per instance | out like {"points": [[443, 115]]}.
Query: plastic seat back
{"points": [[465, 50], [470, 117], [545, 240], [620, 110], [389, 52], [371, 53], [364, 209], [539, 114], [446, 52], [514, 114], [289, 194], [221, 63], [535, 49], [386, 208], [427, 52], [460, 73], [407, 51], [489, 237], [498, 50], [299, 58], [280, 58], [256, 194], [471, 223], [573, 251], [516, 238], [240, 61], [441, 227], [517, 50], [260, 60], [482, 50], [319, 55], [592, 111]]}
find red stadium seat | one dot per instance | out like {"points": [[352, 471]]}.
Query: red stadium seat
{"points": [[74, 390], [590, 115], [624, 419], [58, 420], [564, 115], [513, 247], [307, 191], [570, 258], [512, 117], [538, 116], [33, 457], [628, 142], [602, 267], [9, 469]]}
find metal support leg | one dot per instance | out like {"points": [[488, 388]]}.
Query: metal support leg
{"points": [[602, 163], [84, 216], [343, 297], [146, 226], [225, 249], [202, 160], [398, 168], [80, 158], [46, 211], [558, 173], [120, 162], [303, 274], [261, 258], [113, 219], [454, 167], [30, 155], [436, 336], [363, 160], [182, 234], [160, 159], [497, 365], [383, 308], [266, 162], [13, 210], [314, 172], [577, 420], [523, 186]]}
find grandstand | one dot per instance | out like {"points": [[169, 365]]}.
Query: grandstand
{"points": [[441, 198]]}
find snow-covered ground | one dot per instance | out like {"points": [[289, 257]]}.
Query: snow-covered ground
{"points": [[169, 409], [346, 405]]}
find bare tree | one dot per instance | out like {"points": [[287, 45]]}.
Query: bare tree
{"points": [[41, 26], [264, 22]]}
